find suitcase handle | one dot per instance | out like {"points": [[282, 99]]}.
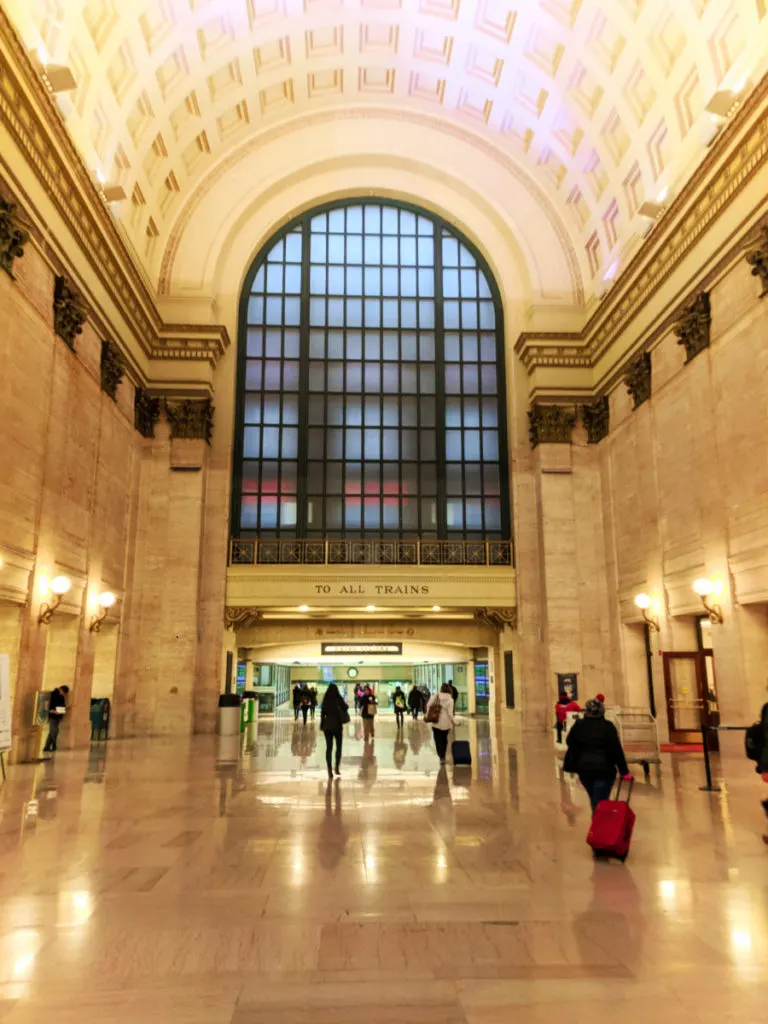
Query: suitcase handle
{"points": [[630, 786]]}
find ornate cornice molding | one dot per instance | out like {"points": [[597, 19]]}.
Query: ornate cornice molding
{"points": [[719, 179], [29, 113], [191, 341]]}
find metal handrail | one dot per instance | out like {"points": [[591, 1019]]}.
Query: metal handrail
{"points": [[365, 551]]}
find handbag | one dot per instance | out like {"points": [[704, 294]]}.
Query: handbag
{"points": [[432, 714], [344, 714]]}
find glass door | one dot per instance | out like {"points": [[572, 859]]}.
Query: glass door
{"points": [[482, 688], [687, 676]]}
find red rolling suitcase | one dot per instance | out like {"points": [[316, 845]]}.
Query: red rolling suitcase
{"points": [[612, 824]]}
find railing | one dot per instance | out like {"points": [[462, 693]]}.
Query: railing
{"points": [[370, 552]]}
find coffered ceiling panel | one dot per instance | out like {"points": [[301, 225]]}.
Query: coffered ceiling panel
{"points": [[602, 101]]}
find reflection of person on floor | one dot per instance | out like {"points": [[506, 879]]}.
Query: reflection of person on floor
{"points": [[415, 701], [368, 710], [332, 840], [368, 766], [56, 710], [399, 751], [564, 706], [595, 752], [333, 717], [445, 720], [297, 700], [415, 737], [398, 703]]}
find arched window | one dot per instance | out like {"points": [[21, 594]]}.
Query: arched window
{"points": [[371, 382]]}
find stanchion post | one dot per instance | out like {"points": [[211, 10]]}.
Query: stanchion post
{"points": [[709, 788]]}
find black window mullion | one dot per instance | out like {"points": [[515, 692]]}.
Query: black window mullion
{"points": [[440, 384], [303, 424]]}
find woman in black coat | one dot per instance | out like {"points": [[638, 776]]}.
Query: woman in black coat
{"points": [[594, 753], [333, 717]]}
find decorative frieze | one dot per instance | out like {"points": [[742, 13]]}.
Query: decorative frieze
{"points": [[596, 419], [693, 327], [146, 412], [757, 258], [191, 418], [550, 424], [13, 237], [638, 379], [69, 312], [498, 618], [112, 369]]}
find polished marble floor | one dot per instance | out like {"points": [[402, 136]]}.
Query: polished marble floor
{"points": [[177, 881]]}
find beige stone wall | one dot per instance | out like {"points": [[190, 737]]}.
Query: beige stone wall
{"points": [[678, 490]]}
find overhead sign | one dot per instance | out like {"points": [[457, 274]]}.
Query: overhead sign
{"points": [[5, 702], [345, 649]]}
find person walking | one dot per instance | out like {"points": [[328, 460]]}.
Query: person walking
{"points": [[305, 703], [57, 708], [296, 701], [368, 711], [358, 697], [595, 753], [415, 701], [440, 713], [312, 701], [564, 706], [333, 717], [455, 695], [398, 702]]}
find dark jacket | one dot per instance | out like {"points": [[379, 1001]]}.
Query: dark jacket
{"points": [[454, 694], [333, 714], [415, 699], [366, 701], [594, 750], [297, 695], [57, 704]]}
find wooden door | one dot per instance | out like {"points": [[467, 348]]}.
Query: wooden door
{"points": [[689, 695]]}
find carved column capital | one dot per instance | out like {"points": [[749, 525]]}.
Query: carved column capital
{"points": [[112, 369], [13, 237], [191, 418], [550, 424], [638, 379], [241, 618], [146, 412], [693, 327], [69, 311], [596, 419], [757, 258]]}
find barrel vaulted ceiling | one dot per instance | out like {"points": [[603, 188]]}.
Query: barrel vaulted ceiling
{"points": [[601, 101]]}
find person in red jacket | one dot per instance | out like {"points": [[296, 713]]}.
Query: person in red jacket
{"points": [[562, 707]]}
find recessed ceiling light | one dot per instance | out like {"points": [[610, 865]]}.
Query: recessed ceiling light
{"points": [[370, 607], [303, 607], [435, 607]]}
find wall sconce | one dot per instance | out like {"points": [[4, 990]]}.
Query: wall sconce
{"points": [[644, 602], [59, 586], [106, 601], [708, 589]]}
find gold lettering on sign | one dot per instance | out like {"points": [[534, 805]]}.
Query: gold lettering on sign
{"points": [[379, 589]]}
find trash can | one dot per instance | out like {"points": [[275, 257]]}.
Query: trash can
{"points": [[250, 709], [229, 714]]}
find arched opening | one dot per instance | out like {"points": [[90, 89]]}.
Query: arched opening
{"points": [[371, 390]]}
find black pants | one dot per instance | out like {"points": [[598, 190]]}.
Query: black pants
{"points": [[559, 726], [441, 741], [598, 789], [329, 738], [304, 710], [296, 709], [415, 712], [53, 733], [400, 716]]}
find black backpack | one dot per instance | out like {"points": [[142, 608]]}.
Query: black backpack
{"points": [[754, 741]]}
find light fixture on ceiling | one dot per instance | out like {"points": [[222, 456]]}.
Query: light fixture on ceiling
{"points": [[59, 586], [710, 591], [645, 603], [106, 601], [56, 77], [370, 607], [725, 102], [435, 607], [303, 607]]}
